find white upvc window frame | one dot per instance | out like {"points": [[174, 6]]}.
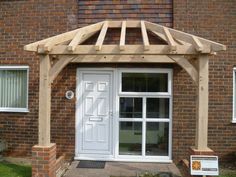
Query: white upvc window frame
{"points": [[145, 95], [19, 67], [234, 96]]}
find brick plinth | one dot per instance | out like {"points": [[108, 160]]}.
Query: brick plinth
{"points": [[186, 163], [44, 161], [193, 151]]}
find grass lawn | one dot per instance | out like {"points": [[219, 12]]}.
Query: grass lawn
{"points": [[228, 173], [13, 170]]}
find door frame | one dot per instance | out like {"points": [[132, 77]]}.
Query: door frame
{"points": [[115, 118], [78, 115]]}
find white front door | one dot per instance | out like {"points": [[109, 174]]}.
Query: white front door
{"points": [[95, 113]]}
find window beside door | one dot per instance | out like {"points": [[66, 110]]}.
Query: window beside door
{"points": [[145, 112], [234, 95], [14, 88]]}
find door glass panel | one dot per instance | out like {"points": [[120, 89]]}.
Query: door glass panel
{"points": [[130, 138], [156, 135], [130, 107], [144, 82], [157, 138], [157, 108]]}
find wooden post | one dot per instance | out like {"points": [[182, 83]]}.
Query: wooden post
{"points": [[44, 101], [202, 104]]}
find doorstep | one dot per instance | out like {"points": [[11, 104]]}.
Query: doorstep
{"points": [[118, 169]]}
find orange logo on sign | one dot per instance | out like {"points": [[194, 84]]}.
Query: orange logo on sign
{"points": [[196, 165]]}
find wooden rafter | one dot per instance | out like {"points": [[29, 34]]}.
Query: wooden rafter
{"points": [[160, 35], [174, 38], [170, 39], [198, 45], [87, 36], [122, 35], [187, 37], [75, 41], [101, 37], [62, 37], [89, 29], [178, 41], [145, 36], [163, 37]]}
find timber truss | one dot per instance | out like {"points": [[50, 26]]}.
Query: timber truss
{"points": [[68, 48], [189, 51]]}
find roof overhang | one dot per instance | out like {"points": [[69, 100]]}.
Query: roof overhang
{"points": [[179, 43]]}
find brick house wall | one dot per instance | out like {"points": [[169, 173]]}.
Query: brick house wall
{"points": [[24, 22], [214, 20]]}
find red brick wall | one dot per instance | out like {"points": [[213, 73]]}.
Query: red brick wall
{"points": [[214, 20], [152, 10], [89, 12], [23, 22], [63, 112], [27, 21]]}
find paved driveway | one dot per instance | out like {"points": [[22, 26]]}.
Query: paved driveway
{"points": [[119, 169]]}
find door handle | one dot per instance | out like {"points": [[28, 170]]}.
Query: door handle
{"points": [[110, 113]]}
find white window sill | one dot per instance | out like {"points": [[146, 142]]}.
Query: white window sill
{"points": [[20, 110], [234, 121]]}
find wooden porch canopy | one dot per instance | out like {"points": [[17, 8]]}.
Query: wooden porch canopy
{"points": [[188, 51]]}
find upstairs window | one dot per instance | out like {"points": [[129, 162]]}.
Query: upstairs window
{"points": [[14, 88], [234, 95]]}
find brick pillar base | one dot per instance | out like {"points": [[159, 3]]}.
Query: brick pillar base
{"points": [[44, 161], [193, 151]]}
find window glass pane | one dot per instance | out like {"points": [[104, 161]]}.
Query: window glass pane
{"points": [[234, 95], [13, 88], [130, 136], [157, 138], [157, 108], [130, 107], [144, 82]]}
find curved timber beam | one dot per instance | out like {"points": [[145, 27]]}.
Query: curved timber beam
{"points": [[187, 66], [58, 66]]}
